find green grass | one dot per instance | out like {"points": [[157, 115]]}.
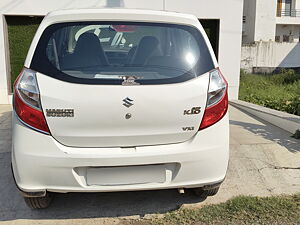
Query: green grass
{"points": [[279, 91], [21, 31], [240, 210]]}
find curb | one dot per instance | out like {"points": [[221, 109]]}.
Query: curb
{"points": [[285, 121]]}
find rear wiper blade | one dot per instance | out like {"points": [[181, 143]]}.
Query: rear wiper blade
{"points": [[130, 77]]}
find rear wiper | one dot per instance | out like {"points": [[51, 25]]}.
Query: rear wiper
{"points": [[130, 80], [132, 77]]}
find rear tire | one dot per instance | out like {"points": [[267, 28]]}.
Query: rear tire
{"points": [[39, 202], [206, 193]]}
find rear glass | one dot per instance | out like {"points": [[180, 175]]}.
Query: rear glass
{"points": [[117, 52]]}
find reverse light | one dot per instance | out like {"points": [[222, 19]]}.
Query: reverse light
{"points": [[217, 99], [27, 104]]}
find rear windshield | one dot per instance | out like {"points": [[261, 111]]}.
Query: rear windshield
{"points": [[121, 53]]}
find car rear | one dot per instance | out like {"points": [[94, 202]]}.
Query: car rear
{"points": [[118, 100]]}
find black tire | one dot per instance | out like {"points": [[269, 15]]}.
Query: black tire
{"points": [[39, 202], [206, 193]]}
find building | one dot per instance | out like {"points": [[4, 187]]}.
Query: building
{"points": [[226, 26], [271, 36], [271, 20], [288, 21]]}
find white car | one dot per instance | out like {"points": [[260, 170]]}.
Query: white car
{"points": [[119, 100]]}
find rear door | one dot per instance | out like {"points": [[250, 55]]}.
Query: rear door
{"points": [[156, 95], [123, 115]]}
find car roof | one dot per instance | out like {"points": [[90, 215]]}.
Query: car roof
{"points": [[119, 14]]}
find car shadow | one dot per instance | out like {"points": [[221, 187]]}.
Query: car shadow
{"points": [[270, 132], [80, 205]]}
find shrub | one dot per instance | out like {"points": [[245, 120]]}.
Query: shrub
{"points": [[296, 105], [279, 92], [285, 77], [243, 72]]}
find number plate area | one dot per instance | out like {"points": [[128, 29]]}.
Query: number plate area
{"points": [[128, 175]]}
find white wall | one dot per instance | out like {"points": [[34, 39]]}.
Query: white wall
{"points": [[250, 14], [42, 7], [294, 30], [297, 4], [229, 12], [4, 62], [261, 20], [270, 55], [265, 22]]}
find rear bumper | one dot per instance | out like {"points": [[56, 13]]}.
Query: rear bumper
{"points": [[41, 163]]}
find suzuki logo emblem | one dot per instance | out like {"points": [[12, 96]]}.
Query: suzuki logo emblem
{"points": [[128, 102]]}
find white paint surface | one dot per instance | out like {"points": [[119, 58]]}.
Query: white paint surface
{"points": [[270, 54], [262, 21], [249, 25], [293, 31], [230, 27], [261, 27], [4, 84], [265, 23], [285, 121]]}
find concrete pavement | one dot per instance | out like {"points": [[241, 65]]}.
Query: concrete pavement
{"points": [[265, 161]]}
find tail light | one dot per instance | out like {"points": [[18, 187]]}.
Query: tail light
{"points": [[217, 99], [27, 104]]}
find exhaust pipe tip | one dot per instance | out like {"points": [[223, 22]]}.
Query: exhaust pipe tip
{"points": [[180, 190]]}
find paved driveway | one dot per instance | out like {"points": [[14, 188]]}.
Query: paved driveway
{"points": [[264, 161]]}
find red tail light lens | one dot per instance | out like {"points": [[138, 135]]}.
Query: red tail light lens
{"points": [[27, 103], [217, 99]]}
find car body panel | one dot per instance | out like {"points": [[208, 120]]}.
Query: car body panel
{"points": [[202, 160], [157, 112]]}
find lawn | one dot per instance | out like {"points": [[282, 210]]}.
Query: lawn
{"points": [[21, 31], [240, 210], [278, 91]]}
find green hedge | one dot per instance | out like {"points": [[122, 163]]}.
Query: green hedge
{"points": [[21, 30], [279, 91]]}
